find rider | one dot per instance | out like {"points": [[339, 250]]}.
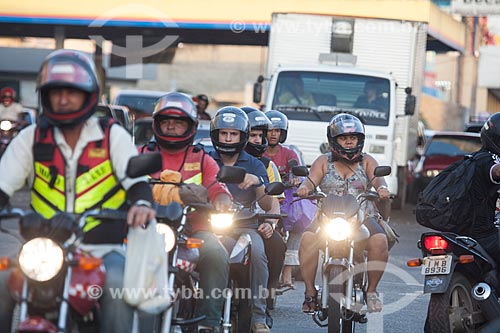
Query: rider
{"points": [[282, 156], [174, 128], [229, 131], [9, 109], [201, 106], [344, 170], [77, 148], [257, 144], [485, 186]]}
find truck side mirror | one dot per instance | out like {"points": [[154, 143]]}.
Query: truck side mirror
{"points": [[410, 102], [257, 89]]}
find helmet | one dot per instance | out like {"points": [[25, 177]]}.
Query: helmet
{"points": [[343, 124], [175, 105], [229, 117], [258, 121], [7, 93], [278, 120], [68, 69], [490, 134], [202, 97]]}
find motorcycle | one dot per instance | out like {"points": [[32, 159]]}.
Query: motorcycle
{"points": [[183, 254], [8, 130], [237, 310], [462, 280], [56, 284], [53, 280], [342, 296]]}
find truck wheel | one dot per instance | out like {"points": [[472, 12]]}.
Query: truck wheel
{"points": [[452, 311]]}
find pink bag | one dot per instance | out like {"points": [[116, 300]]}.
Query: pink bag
{"points": [[300, 213]]}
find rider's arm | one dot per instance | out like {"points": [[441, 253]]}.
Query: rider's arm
{"points": [[218, 193], [379, 183], [316, 174]]}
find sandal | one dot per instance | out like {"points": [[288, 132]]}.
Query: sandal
{"points": [[373, 302], [310, 303]]}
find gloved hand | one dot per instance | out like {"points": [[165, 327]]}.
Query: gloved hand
{"points": [[166, 193]]}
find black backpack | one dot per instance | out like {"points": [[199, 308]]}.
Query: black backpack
{"points": [[446, 203]]}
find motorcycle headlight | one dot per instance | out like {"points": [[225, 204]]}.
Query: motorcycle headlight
{"points": [[41, 259], [5, 125], [338, 229], [221, 221], [168, 235]]}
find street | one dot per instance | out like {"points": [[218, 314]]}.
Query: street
{"points": [[401, 287]]}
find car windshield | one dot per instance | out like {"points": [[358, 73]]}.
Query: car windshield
{"points": [[316, 96], [142, 104], [453, 146]]}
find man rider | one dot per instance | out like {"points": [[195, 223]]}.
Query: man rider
{"points": [[282, 156], [174, 127], [63, 157], [9, 109], [256, 146], [229, 131]]}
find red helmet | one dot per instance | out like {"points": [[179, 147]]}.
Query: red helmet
{"points": [[68, 69], [175, 105], [7, 93]]}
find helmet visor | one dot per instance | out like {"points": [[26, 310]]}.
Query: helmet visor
{"points": [[66, 72], [183, 105], [345, 126]]}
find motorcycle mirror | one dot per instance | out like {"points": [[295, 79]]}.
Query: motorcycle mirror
{"points": [[231, 174], [382, 171], [300, 171], [144, 164], [275, 188]]}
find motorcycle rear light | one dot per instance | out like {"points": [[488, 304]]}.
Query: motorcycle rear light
{"points": [[414, 262], [466, 259], [89, 263], [194, 243], [435, 244], [4, 263]]}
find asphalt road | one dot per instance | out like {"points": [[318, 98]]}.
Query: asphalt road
{"points": [[401, 287]]}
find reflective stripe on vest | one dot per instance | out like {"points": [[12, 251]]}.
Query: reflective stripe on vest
{"points": [[95, 187]]}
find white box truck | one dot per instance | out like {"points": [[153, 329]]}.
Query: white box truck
{"points": [[334, 60]]}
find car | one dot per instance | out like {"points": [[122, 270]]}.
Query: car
{"points": [[141, 103], [118, 112], [442, 149]]}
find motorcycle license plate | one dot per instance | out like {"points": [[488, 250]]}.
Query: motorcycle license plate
{"points": [[436, 265]]}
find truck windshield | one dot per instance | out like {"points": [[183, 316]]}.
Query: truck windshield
{"points": [[317, 96]]}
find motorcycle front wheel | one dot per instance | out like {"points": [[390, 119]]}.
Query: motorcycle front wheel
{"points": [[336, 321], [453, 310]]}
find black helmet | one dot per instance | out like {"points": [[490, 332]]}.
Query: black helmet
{"points": [[490, 134], [346, 124], [278, 120], [175, 105], [258, 121], [229, 117], [68, 69]]}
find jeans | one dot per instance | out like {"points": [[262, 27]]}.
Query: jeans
{"points": [[115, 314], [213, 267], [275, 251], [259, 274]]}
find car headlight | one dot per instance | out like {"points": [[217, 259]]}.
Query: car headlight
{"points": [[431, 173], [5, 125], [168, 235], [41, 259], [221, 221], [338, 229]]}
